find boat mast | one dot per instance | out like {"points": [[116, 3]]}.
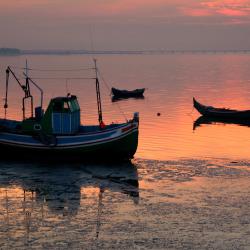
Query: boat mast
{"points": [[6, 94], [26, 70], [28, 92], [99, 102]]}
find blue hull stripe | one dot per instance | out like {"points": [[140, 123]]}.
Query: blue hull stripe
{"points": [[67, 146], [67, 141]]}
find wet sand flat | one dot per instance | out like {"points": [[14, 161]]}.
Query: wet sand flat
{"points": [[148, 204]]}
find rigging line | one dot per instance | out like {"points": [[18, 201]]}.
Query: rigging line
{"points": [[91, 41], [61, 78], [52, 70], [67, 89], [190, 113], [19, 76], [121, 111], [108, 87], [105, 83]]}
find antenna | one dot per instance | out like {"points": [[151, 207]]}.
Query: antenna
{"points": [[66, 87], [26, 69], [91, 41], [98, 94]]}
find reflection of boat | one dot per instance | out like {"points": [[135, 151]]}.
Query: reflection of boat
{"points": [[118, 93], [224, 113], [63, 189], [58, 132], [115, 99], [209, 120], [60, 185]]}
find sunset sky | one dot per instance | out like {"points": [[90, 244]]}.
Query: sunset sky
{"points": [[125, 24]]}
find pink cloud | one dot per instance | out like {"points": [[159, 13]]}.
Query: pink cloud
{"points": [[224, 11], [195, 12], [137, 9], [228, 7], [232, 12], [86, 6]]}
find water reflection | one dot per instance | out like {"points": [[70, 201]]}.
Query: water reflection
{"points": [[35, 194], [207, 120], [116, 99]]}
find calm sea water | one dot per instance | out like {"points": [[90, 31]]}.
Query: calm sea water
{"points": [[186, 188], [221, 80]]}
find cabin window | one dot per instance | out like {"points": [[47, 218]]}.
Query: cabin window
{"points": [[65, 106], [57, 107], [76, 104], [70, 106]]}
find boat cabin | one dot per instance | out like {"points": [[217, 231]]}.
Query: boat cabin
{"points": [[65, 115], [62, 117]]}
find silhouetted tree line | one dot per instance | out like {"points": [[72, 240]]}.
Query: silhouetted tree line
{"points": [[9, 51]]}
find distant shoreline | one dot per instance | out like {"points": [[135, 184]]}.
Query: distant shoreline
{"points": [[15, 52]]}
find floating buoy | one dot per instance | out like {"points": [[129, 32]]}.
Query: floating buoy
{"points": [[158, 114]]}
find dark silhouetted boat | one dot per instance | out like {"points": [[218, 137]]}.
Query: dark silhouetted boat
{"points": [[117, 93], [224, 113]]}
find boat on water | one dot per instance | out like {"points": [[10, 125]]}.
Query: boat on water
{"points": [[58, 132], [118, 93], [224, 113]]}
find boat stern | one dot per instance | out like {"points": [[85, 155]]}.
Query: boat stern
{"points": [[136, 117]]}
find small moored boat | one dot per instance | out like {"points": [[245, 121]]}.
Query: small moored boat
{"points": [[58, 132], [224, 113], [127, 93]]}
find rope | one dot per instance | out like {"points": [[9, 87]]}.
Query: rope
{"points": [[72, 78], [190, 113], [105, 83], [66, 86], [91, 41], [52, 70], [62, 78], [108, 87]]}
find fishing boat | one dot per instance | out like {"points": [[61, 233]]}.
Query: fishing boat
{"points": [[224, 113], [117, 93], [58, 132]]}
